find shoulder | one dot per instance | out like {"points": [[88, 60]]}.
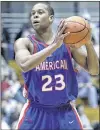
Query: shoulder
{"points": [[22, 40], [21, 43]]}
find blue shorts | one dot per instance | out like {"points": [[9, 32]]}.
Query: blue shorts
{"points": [[37, 117]]}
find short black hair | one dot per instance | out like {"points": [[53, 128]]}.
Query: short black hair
{"points": [[49, 8]]}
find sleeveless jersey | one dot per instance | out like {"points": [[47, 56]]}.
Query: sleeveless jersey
{"points": [[53, 82]]}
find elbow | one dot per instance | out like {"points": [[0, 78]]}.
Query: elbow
{"points": [[94, 72], [24, 68]]}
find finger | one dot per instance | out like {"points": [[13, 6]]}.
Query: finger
{"points": [[63, 28], [61, 21], [77, 45], [71, 45], [60, 25], [66, 34]]}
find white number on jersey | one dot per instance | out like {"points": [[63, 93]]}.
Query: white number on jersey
{"points": [[49, 80]]}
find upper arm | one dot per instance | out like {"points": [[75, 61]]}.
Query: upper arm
{"points": [[22, 52], [80, 57]]}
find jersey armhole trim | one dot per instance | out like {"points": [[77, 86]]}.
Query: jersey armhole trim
{"points": [[31, 38], [69, 51], [68, 48]]}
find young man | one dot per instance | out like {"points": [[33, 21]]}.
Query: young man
{"points": [[49, 77]]}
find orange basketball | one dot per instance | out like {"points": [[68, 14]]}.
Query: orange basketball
{"points": [[79, 30]]}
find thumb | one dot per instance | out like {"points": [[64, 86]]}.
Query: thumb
{"points": [[66, 34]]}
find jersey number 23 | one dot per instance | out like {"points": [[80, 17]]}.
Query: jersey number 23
{"points": [[49, 80]]}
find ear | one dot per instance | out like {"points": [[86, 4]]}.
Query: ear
{"points": [[51, 18]]}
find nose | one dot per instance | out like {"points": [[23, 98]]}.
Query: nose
{"points": [[36, 15]]}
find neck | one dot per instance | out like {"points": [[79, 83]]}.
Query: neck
{"points": [[45, 35]]}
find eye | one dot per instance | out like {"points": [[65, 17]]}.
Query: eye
{"points": [[32, 13], [41, 12]]}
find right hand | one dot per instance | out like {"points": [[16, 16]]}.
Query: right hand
{"points": [[60, 35]]}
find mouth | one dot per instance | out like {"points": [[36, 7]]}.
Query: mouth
{"points": [[35, 22]]}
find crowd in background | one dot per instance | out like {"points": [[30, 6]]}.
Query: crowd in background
{"points": [[11, 88]]}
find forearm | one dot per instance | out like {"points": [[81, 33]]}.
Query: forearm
{"points": [[33, 60], [92, 60]]}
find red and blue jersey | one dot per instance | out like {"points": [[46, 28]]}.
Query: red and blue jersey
{"points": [[53, 82]]}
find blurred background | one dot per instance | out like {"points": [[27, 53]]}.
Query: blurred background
{"points": [[15, 23]]}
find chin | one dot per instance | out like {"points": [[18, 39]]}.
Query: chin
{"points": [[36, 28], [39, 28]]}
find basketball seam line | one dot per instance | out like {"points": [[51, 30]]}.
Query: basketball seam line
{"points": [[86, 34], [83, 37], [80, 24], [79, 40], [87, 29], [80, 31]]}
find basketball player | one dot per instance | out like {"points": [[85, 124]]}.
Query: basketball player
{"points": [[49, 77]]}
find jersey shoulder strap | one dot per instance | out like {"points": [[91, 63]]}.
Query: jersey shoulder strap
{"points": [[32, 39], [69, 51]]}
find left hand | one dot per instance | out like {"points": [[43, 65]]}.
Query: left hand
{"points": [[89, 37]]}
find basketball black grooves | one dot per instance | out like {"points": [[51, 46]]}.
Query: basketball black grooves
{"points": [[79, 31]]}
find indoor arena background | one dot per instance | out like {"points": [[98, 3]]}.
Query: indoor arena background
{"points": [[15, 23]]}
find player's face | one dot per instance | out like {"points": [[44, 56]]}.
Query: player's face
{"points": [[40, 17]]}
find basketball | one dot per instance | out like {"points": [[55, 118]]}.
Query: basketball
{"points": [[79, 29]]}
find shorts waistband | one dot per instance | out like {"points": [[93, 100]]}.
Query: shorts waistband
{"points": [[61, 106]]}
